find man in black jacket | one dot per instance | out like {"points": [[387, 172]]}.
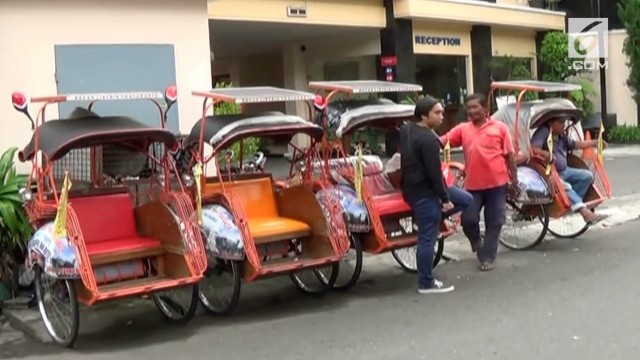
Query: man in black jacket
{"points": [[423, 186]]}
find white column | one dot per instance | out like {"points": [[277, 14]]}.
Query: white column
{"points": [[295, 78]]}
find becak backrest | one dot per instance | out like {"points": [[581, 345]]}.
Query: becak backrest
{"points": [[376, 180], [255, 194], [105, 217]]}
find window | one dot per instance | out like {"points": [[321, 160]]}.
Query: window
{"points": [[505, 68], [348, 70]]}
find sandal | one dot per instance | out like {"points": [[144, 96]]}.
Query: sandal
{"points": [[485, 266], [598, 219]]}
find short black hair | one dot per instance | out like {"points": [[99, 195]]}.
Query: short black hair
{"points": [[424, 105], [476, 96]]}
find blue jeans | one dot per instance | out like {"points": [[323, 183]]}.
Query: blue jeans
{"points": [[427, 213], [494, 202], [460, 198], [576, 184]]}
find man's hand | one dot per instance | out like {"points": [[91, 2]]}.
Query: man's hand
{"points": [[513, 190], [545, 155], [447, 206]]}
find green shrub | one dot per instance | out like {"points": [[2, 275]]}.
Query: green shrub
{"points": [[14, 224], [624, 134], [249, 145]]}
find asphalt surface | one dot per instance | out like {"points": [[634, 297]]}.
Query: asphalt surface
{"points": [[568, 299]]}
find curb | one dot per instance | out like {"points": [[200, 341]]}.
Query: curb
{"points": [[29, 323]]}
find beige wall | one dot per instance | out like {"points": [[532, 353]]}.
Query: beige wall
{"points": [[30, 29], [364, 13], [513, 2], [514, 42], [619, 98], [479, 12]]}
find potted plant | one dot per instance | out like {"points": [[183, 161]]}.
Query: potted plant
{"points": [[15, 229]]}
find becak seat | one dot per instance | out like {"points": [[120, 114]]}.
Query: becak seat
{"points": [[111, 235], [259, 203]]}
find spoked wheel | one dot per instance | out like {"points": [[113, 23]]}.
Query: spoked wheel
{"points": [[523, 231], [58, 305], [350, 266], [178, 305], [313, 281], [407, 258], [220, 288], [316, 281], [568, 227]]}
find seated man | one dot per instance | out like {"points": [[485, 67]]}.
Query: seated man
{"points": [[576, 181]]}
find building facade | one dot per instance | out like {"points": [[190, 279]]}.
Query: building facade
{"points": [[75, 46], [618, 99], [134, 45]]}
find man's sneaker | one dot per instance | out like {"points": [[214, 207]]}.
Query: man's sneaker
{"points": [[438, 287]]}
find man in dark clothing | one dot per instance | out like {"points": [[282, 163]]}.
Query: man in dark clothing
{"points": [[423, 186]]}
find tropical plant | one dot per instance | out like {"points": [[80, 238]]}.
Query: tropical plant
{"points": [[14, 224], [624, 134], [554, 57], [558, 67], [516, 69], [628, 11], [249, 145]]}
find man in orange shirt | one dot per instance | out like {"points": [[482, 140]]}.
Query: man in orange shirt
{"points": [[490, 168]]}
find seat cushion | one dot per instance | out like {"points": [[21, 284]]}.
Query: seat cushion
{"points": [[125, 245], [391, 204], [105, 217], [256, 195], [276, 228]]}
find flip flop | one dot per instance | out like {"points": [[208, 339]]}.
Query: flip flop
{"points": [[487, 266], [598, 219]]}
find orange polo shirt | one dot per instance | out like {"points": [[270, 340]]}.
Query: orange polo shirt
{"points": [[485, 149]]}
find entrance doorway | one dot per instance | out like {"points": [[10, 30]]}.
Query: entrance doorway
{"points": [[445, 77]]}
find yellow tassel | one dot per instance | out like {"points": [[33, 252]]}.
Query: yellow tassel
{"points": [[447, 152], [359, 173], [550, 147], [60, 223], [198, 180], [601, 143]]}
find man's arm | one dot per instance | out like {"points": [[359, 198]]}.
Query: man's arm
{"points": [[454, 136], [581, 144], [431, 160], [509, 153], [538, 140]]}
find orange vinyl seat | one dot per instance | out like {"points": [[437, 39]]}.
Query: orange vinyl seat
{"points": [[257, 196], [109, 228], [277, 228]]}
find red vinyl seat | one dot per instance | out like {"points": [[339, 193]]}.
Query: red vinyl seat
{"points": [[391, 204], [108, 225]]}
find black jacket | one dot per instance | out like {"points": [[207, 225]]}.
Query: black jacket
{"points": [[421, 165]]}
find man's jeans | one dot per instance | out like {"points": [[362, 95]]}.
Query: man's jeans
{"points": [[576, 184], [494, 202], [460, 198], [427, 212]]}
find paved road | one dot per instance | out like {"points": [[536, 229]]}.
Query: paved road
{"points": [[567, 300]]}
